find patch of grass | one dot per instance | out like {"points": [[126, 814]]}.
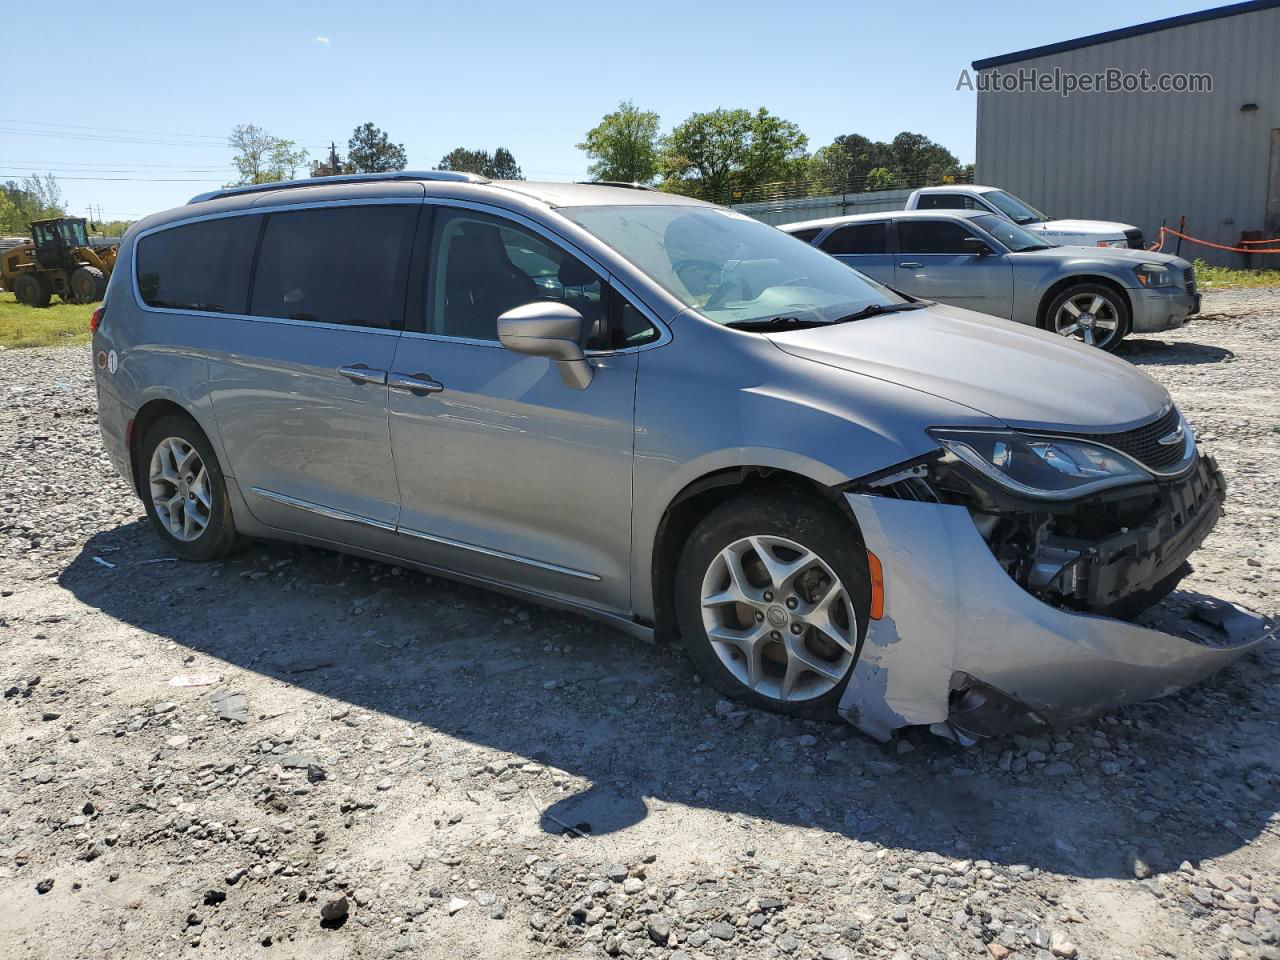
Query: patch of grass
{"points": [[1223, 277], [59, 324]]}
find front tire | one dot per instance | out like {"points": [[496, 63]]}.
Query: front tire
{"points": [[772, 594], [1091, 313], [184, 490], [88, 284]]}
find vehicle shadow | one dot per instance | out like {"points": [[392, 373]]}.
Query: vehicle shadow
{"points": [[1197, 776], [1148, 352]]}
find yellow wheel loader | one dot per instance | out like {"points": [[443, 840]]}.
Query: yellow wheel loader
{"points": [[58, 259]]}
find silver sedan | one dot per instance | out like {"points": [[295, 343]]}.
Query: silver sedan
{"points": [[973, 259]]}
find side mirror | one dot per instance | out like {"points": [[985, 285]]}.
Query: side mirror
{"points": [[976, 245], [551, 330]]}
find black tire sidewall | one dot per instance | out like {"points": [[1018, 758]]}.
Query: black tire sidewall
{"points": [[821, 527], [33, 283], [219, 536], [1125, 325]]}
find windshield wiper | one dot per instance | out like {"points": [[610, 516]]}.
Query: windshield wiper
{"points": [[777, 323], [876, 309]]}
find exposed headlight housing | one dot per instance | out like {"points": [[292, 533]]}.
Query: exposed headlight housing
{"points": [[1154, 275], [1047, 468], [1113, 243]]}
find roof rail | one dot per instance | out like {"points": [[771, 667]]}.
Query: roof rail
{"points": [[628, 184], [450, 175]]}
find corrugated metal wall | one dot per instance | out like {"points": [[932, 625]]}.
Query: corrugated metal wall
{"points": [[1147, 158], [814, 208]]}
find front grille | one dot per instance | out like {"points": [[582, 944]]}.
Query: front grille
{"points": [[1189, 279], [1133, 238], [1142, 443]]}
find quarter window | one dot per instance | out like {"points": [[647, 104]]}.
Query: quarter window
{"points": [[806, 234], [932, 236], [344, 265], [200, 266], [858, 238]]}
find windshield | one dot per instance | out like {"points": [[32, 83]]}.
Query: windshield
{"points": [[1013, 208], [1012, 235], [729, 267]]}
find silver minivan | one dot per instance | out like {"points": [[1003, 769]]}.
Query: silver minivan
{"points": [[673, 418]]}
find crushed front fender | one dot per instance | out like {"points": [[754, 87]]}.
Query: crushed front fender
{"points": [[951, 611]]}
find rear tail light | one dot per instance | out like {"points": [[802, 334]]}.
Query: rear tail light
{"points": [[95, 321]]}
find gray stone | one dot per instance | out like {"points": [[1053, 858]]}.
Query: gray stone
{"points": [[721, 930]]}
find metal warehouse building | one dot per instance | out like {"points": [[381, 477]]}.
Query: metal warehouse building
{"points": [[1147, 158]]}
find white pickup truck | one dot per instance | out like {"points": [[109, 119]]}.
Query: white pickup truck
{"points": [[1066, 233]]}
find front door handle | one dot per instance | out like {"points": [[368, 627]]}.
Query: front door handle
{"points": [[911, 264], [360, 373], [419, 384]]}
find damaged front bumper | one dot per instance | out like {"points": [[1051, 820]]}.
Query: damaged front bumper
{"points": [[963, 648]]}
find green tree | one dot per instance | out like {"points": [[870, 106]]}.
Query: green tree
{"points": [[624, 145], [919, 160], [32, 198], [369, 151], [847, 161], [499, 165], [261, 157], [882, 178], [717, 154], [910, 159]]}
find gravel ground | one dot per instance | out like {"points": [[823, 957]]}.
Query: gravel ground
{"points": [[390, 764]]}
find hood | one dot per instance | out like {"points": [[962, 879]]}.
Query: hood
{"points": [[1086, 228], [1119, 256], [1022, 376]]}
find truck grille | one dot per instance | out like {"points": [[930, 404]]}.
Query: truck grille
{"points": [[1143, 443], [1134, 239]]}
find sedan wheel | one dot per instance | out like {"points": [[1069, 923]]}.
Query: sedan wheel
{"points": [[778, 618], [180, 489], [1091, 315]]}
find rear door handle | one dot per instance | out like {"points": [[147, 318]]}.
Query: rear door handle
{"points": [[911, 264], [360, 373], [419, 384]]}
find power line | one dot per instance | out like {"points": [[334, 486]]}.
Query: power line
{"points": [[108, 135], [148, 179]]}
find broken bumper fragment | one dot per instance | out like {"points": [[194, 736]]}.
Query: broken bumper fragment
{"points": [[963, 648]]}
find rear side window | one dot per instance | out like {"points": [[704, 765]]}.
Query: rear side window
{"points": [[947, 201], [342, 265], [858, 238], [200, 266], [807, 234], [932, 236]]}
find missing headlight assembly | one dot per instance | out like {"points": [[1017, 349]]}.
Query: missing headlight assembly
{"points": [[1075, 523]]}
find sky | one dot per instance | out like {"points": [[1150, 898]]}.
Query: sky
{"points": [[145, 94]]}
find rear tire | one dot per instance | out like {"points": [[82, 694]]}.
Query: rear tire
{"points": [[791, 643], [184, 490], [32, 290], [88, 284]]}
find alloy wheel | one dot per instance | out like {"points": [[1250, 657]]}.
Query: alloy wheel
{"points": [[180, 489], [1089, 317], [778, 618]]}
